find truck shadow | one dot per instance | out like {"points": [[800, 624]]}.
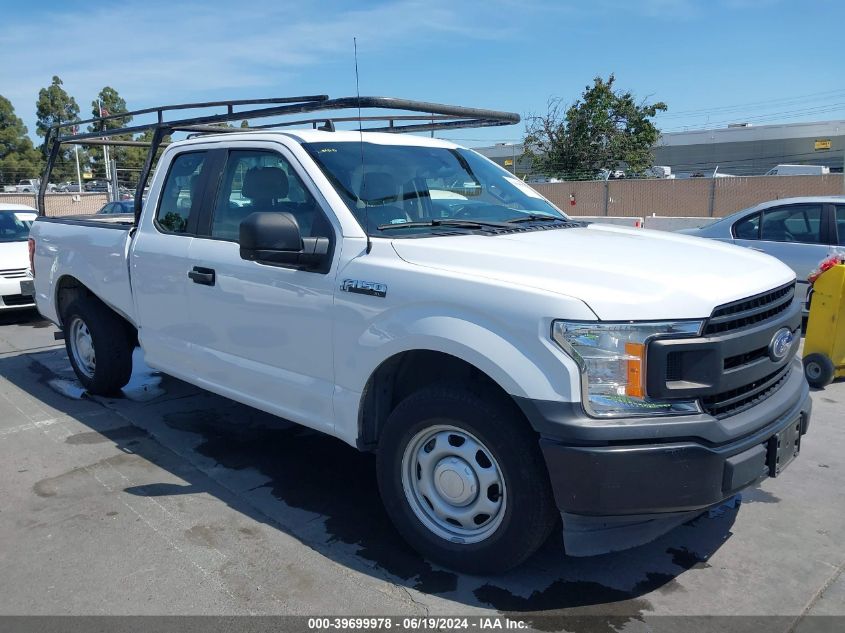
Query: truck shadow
{"points": [[324, 493], [28, 317]]}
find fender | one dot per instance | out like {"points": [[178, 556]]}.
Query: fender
{"points": [[523, 363]]}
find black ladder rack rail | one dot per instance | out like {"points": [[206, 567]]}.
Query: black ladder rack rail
{"points": [[426, 117]]}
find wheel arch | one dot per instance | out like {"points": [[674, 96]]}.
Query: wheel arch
{"points": [[68, 289], [408, 371]]}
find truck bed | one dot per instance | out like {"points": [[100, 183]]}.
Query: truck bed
{"points": [[93, 250]]}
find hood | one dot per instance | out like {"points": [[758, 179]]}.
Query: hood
{"points": [[621, 274], [14, 255]]}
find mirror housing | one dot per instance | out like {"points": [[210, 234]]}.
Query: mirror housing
{"points": [[274, 238]]}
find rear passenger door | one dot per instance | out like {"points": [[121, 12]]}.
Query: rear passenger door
{"points": [[796, 234], [159, 260], [264, 333]]}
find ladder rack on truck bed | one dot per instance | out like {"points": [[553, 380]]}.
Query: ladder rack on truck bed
{"points": [[425, 117]]}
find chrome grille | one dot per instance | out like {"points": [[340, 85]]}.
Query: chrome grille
{"points": [[750, 311], [14, 273]]}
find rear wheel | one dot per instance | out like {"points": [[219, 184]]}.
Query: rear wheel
{"points": [[819, 370], [463, 480], [98, 347]]}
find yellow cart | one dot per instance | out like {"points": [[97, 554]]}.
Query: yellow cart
{"points": [[824, 343]]}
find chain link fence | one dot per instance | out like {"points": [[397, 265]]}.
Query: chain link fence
{"points": [[59, 204], [693, 197], [689, 197]]}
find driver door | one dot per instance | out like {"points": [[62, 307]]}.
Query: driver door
{"points": [[263, 332]]}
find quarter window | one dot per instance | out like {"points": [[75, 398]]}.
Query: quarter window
{"points": [[180, 192], [748, 228], [261, 181], [797, 223]]}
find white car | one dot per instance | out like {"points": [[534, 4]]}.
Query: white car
{"points": [[16, 287], [514, 371]]}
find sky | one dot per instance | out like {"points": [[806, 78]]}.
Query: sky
{"points": [[712, 62]]}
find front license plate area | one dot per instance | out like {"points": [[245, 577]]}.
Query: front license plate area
{"points": [[28, 288], [783, 447]]}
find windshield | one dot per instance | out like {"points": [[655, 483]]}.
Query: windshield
{"points": [[400, 190], [15, 225]]}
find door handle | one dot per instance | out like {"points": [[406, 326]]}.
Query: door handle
{"points": [[203, 276]]}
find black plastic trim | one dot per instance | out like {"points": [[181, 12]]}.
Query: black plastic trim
{"points": [[652, 477], [85, 220], [703, 372]]}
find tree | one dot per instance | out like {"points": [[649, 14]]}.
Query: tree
{"points": [[134, 158], [18, 156], [109, 103], [54, 106], [604, 129], [244, 123]]}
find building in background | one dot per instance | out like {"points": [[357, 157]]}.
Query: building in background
{"points": [[739, 149]]}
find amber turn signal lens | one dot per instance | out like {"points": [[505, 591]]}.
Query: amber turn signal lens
{"points": [[635, 351]]}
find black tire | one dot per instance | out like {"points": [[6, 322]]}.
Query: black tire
{"points": [[112, 347], [529, 514], [819, 370]]}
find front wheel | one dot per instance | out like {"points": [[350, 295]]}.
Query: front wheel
{"points": [[463, 480]]}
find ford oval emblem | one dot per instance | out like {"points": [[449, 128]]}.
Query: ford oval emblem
{"points": [[781, 342]]}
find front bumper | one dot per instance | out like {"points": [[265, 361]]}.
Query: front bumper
{"points": [[619, 472], [16, 294]]}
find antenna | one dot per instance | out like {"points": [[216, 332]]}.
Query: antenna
{"points": [[361, 141]]}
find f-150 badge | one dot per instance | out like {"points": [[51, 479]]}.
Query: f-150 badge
{"points": [[364, 287]]}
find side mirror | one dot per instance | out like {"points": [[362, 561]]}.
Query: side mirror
{"points": [[274, 238]]}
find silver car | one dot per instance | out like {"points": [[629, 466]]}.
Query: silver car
{"points": [[800, 232]]}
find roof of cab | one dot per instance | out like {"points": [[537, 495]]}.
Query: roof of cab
{"points": [[321, 136], [23, 208]]}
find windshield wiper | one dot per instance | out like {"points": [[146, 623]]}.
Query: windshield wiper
{"points": [[535, 217], [464, 224]]}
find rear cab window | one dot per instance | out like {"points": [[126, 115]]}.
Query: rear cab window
{"points": [[180, 192]]}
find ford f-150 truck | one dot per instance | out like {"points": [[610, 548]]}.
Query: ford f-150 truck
{"points": [[513, 369]]}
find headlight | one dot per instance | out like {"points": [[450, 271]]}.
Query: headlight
{"points": [[612, 361]]}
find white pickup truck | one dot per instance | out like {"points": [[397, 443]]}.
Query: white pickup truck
{"points": [[514, 370]]}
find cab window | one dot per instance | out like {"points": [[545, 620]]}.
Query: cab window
{"points": [[180, 192], [797, 223], [262, 181]]}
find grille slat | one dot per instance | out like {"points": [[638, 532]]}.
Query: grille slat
{"points": [[750, 311], [14, 273], [733, 362], [721, 405]]}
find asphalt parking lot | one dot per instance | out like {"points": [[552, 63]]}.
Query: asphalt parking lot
{"points": [[171, 500]]}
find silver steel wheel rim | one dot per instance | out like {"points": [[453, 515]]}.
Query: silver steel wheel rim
{"points": [[814, 370], [82, 347], [453, 484]]}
